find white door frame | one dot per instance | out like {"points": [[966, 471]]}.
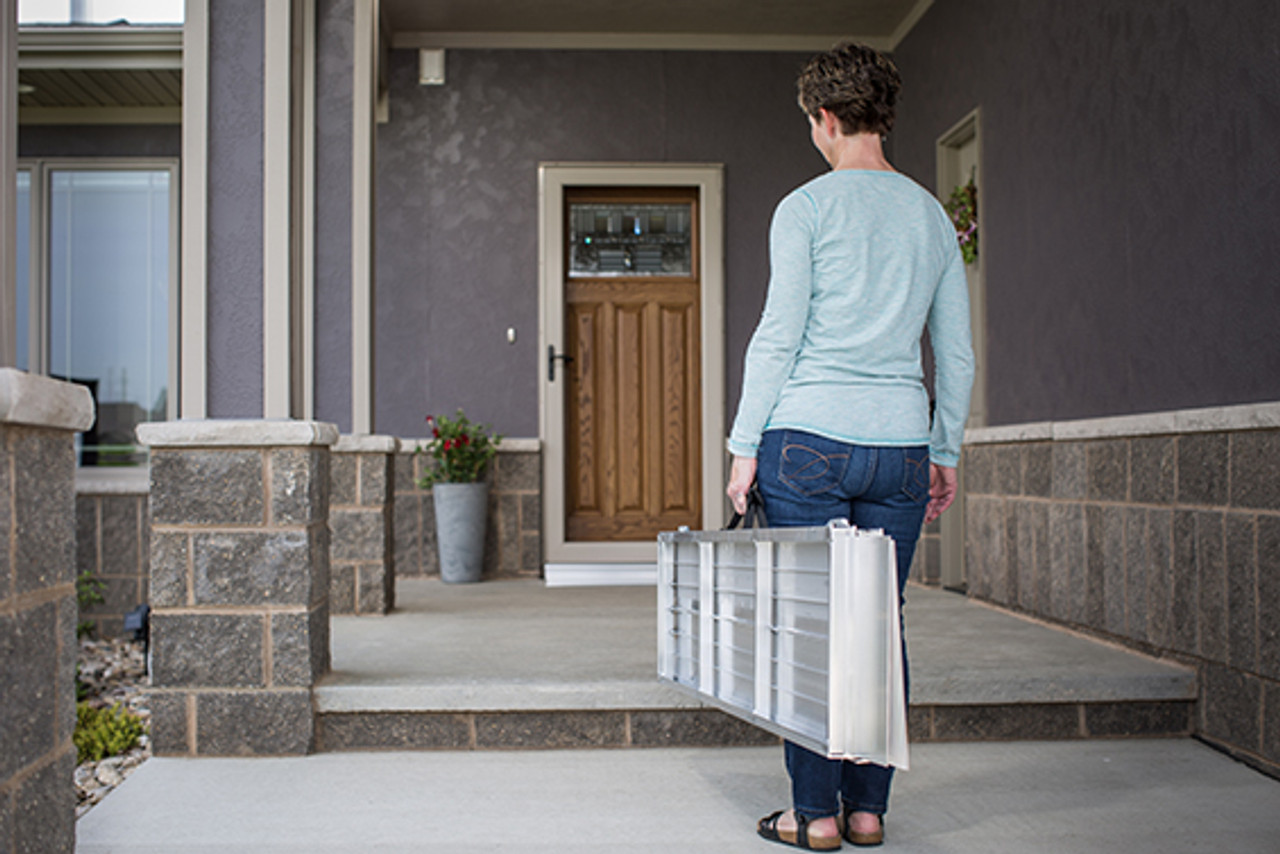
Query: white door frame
{"points": [[553, 178], [966, 132]]}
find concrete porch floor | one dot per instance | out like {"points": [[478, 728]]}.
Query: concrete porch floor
{"points": [[509, 645]]}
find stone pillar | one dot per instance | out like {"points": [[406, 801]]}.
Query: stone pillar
{"points": [[239, 584], [38, 418], [361, 519]]}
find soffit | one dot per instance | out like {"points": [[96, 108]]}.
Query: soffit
{"points": [[100, 67]]}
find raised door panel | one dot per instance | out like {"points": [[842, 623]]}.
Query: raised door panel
{"points": [[632, 416]]}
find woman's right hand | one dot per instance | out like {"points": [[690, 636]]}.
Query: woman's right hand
{"points": [[942, 490], [741, 475]]}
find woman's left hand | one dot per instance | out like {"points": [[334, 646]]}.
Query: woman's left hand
{"points": [[942, 490], [741, 476]]}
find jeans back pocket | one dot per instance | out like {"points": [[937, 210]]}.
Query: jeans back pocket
{"points": [[915, 473], [808, 467]]}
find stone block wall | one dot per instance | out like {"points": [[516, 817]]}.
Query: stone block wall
{"points": [[239, 584], [513, 547], [113, 530], [926, 566], [361, 525], [1161, 532], [38, 610]]}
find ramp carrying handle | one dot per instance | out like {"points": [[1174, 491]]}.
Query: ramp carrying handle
{"points": [[754, 517]]}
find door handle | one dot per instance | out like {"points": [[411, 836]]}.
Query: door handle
{"points": [[552, 355]]}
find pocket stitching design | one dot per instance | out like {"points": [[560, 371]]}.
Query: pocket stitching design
{"points": [[912, 476], [797, 482]]}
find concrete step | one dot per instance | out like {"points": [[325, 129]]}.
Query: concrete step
{"points": [[514, 665]]}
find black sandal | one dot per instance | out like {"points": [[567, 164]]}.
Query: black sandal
{"points": [[767, 827]]}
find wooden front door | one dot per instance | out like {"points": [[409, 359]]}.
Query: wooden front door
{"points": [[633, 462]]}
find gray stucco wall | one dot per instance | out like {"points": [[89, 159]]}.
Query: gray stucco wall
{"points": [[100, 141], [235, 209], [1130, 199], [457, 203]]}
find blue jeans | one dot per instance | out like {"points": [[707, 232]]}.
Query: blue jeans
{"points": [[809, 480]]}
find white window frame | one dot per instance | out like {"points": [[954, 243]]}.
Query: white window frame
{"points": [[41, 170]]}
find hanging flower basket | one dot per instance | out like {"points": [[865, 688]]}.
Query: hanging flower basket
{"points": [[963, 210]]}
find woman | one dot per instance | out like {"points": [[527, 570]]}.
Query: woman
{"points": [[834, 418]]}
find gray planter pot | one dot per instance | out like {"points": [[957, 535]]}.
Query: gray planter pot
{"points": [[461, 510]]}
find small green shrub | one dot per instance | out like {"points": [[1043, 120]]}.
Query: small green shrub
{"points": [[105, 732], [89, 589]]}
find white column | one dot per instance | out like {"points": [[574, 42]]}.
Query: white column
{"points": [[9, 183], [277, 243], [193, 360], [307, 203], [364, 118]]}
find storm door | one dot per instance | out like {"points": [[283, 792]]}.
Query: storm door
{"points": [[632, 379], [632, 397]]}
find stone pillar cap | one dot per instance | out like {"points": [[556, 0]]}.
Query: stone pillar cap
{"points": [[366, 444], [204, 433], [43, 402]]}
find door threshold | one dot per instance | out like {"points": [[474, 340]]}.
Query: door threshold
{"points": [[601, 574]]}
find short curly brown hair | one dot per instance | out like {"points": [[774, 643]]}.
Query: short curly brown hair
{"points": [[856, 84]]}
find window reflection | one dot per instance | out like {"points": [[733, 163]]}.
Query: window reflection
{"points": [[108, 300]]}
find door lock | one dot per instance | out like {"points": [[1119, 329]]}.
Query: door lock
{"points": [[552, 355]]}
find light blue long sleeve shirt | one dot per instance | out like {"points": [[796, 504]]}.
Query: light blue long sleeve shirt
{"points": [[861, 262]]}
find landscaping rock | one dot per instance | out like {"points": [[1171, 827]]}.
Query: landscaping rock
{"points": [[112, 671]]}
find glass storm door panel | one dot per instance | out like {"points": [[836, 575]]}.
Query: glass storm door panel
{"points": [[109, 246], [633, 463]]}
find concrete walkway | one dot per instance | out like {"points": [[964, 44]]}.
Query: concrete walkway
{"points": [[1130, 796]]}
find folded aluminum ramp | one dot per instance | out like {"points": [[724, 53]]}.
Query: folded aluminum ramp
{"points": [[795, 630]]}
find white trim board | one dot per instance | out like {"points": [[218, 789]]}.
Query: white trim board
{"points": [[194, 334], [277, 256], [8, 183], [364, 102], [630, 41], [601, 574], [133, 47], [100, 115]]}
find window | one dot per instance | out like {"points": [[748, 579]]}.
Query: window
{"points": [[102, 293], [630, 239]]}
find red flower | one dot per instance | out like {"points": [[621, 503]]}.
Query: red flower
{"points": [[448, 445], [464, 441]]}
